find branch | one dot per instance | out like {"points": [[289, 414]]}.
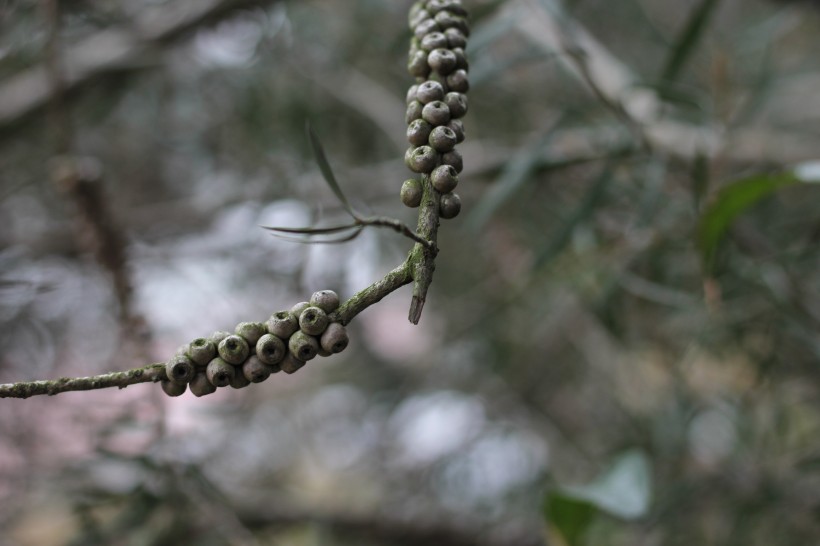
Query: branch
{"points": [[152, 373], [110, 51], [423, 258]]}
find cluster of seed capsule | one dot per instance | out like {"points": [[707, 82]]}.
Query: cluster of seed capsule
{"points": [[437, 101], [256, 350]]}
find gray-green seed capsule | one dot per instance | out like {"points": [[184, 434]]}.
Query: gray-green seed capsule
{"points": [[220, 372], [458, 81], [180, 369], [303, 346], [239, 381], [411, 193], [453, 157], [313, 321], [298, 308], [442, 139], [430, 91], [414, 111], [200, 385], [425, 27], [417, 64], [458, 128], [335, 339], [461, 59], [422, 159], [457, 103], [326, 300], [444, 178], [201, 351], [442, 61], [255, 371], [216, 337], [436, 113], [416, 15], [450, 206], [251, 331], [290, 364], [172, 388], [418, 132], [283, 324], [411, 93], [455, 38], [434, 40], [270, 349], [233, 349]]}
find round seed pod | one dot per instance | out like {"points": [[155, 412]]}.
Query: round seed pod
{"points": [[436, 113], [324, 353], [270, 349], [446, 19], [453, 158], [200, 385], [414, 111], [455, 38], [434, 6], [302, 346], [458, 128], [444, 178], [461, 59], [201, 351], [418, 132], [450, 206], [313, 321], [251, 331], [335, 339], [173, 389], [422, 159], [216, 337], [416, 16], [442, 139], [429, 91], [453, 6], [458, 81], [457, 103], [434, 40], [233, 349], [411, 192], [411, 93], [290, 364], [326, 300], [425, 27], [255, 371], [180, 369], [297, 309], [219, 372], [239, 381], [283, 324], [417, 64], [442, 61]]}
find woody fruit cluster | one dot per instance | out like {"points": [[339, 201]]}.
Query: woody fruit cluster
{"points": [[256, 350], [436, 103]]}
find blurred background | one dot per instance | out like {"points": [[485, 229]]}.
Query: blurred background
{"points": [[621, 344]]}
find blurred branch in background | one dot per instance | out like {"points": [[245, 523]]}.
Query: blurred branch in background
{"points": [[110, 51]]}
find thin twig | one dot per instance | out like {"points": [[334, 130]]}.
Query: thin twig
{"points": [[24, 389]]}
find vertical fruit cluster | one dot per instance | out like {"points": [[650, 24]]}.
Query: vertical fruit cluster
{"points": [[437, 102], [256, 350]]}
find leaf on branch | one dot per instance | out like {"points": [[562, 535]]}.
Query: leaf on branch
{"points": [[327, 172]]}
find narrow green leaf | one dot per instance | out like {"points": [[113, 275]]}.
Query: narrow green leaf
{"points": [[732, 201], [569, 517], [688, 39], [327, 172]]}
